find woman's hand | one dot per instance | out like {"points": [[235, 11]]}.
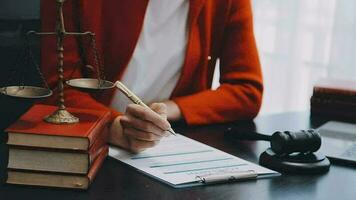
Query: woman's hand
{"points": [[173, 111], [140, 128]]}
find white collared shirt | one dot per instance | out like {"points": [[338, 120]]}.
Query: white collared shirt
{"points": [[156, 63]]}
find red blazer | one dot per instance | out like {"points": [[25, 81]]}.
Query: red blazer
{"points": [[218, 29]]}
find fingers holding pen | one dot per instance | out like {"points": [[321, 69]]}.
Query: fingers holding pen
{"points": [[137, 146], [141, 135], [144, 127], [141, 126], [124, 135], [158, 114], [160, 108]]}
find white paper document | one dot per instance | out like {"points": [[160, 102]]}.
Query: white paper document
{"points": [[181, 161]]}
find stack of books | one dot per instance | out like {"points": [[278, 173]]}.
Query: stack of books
{"points": [[334, 99], [66, 156]]}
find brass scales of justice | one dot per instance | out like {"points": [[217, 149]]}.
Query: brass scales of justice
{"points": [[61, 115]]}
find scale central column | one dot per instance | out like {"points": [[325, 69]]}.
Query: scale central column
{"points": [[61, 115]]}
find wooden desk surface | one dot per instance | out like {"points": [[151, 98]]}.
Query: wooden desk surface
{"points": [[118, 181]]}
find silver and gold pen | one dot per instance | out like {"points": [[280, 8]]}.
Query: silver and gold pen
{"points": [[135, 99]]}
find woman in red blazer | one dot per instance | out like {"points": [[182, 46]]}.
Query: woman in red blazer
{"points": [[217, 29]]}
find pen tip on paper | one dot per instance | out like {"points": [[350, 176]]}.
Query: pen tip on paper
{"points": [[172, 132]]}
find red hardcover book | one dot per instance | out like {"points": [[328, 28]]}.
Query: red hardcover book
{"points": [[32, 131], [24, 177]]}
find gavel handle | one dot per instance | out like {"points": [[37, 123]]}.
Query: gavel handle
{"points": [[246, 135]]}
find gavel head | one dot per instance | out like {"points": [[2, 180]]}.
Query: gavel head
{"points": [[305, 141]]}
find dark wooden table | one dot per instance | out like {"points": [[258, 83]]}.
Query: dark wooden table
{"points": [[117, 181]]}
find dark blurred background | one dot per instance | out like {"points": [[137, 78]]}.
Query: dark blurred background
{"points": [[16, 18]]}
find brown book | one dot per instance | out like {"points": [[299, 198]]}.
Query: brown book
{"points": [[31, 131], [335, 86], [49, 160], [329, 103], [333, 114], [336, 97], [61, 180]]}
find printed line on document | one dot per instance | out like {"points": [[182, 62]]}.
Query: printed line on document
{"points": [[187, 163], [170, 154], [200, 169]]}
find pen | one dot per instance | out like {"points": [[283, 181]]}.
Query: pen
{"points": [[135, 99]]}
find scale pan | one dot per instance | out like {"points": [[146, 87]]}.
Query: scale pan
{"points": [[90, 84], [28, 92]]}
